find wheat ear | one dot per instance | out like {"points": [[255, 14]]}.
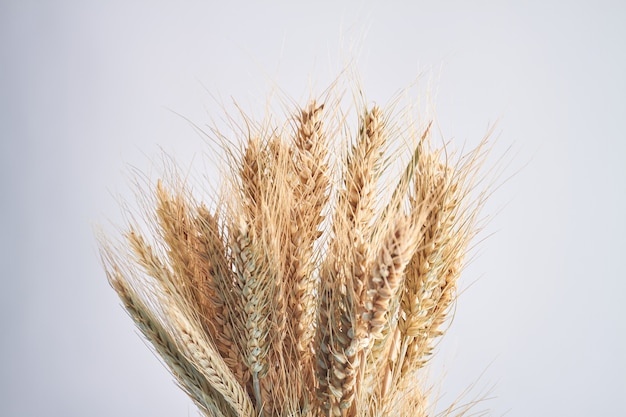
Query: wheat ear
{"points": [[347, 265], [311, 196], [220, 292], [261, 234], [208, 361]]}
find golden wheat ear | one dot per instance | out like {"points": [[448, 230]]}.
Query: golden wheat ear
{"points": [[308, 288]]}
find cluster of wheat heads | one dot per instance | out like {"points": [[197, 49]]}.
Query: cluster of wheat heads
{"points": [[312, 287]]}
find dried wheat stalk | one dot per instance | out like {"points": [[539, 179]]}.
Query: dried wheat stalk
{"points": [[307, 291]]}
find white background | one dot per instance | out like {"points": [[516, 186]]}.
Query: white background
{"points": [[87, 88]]}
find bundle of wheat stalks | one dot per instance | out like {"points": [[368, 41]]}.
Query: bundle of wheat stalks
{"points": [[306, 289]]}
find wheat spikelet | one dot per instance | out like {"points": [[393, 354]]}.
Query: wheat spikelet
{"points": [[261, 241], [349, 261], [307, 290], [211, 365], [185, 246], [220, 293], [432, 273], [311, 196], [254, 302]]}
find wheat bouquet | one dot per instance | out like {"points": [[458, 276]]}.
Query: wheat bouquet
{"points": [[314, 284]]}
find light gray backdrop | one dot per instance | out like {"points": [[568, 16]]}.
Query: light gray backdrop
{"points": [[86, 88]]}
